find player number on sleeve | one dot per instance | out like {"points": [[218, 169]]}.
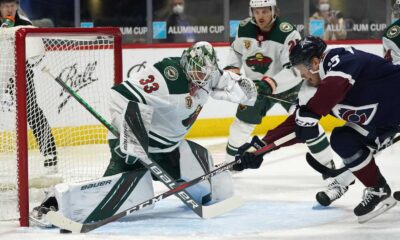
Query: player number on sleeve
{"points": [[149, 85]]}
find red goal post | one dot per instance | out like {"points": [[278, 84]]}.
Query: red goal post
{"points": [[81, 56]]}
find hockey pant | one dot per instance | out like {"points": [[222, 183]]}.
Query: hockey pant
{"points": [[356, 145]]}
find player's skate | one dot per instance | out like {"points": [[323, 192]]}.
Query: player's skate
{"points": [[38, 213], [396, 195], [335, 191], [376, 200]]}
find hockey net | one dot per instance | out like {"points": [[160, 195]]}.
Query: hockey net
{"points": [[46, 136]]}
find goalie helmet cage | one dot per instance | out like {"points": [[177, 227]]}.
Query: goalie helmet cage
{"points": [[90, 61]]}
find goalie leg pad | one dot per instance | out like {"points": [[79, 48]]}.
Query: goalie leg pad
{"points": [[97, 199], [195, 160]]}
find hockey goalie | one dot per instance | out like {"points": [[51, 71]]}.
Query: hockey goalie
{"points": [[157, 105]]}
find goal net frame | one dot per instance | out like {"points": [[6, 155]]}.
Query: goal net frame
{"points": [[21, 97]]}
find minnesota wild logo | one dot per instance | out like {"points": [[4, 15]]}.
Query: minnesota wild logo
{"points": [[171, 73], [259, 63], [393, 32], [285, 27]]}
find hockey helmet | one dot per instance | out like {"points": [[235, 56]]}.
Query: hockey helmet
{"points": [[199, 63], [262, 3], [305, 49]]}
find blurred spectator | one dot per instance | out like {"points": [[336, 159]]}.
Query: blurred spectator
{"points": [[335, 28], [177, 22]]}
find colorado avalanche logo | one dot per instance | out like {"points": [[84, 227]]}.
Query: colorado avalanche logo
{"points": [[359, 115]]}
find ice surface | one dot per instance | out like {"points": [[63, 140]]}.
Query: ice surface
{"points": [[279, 205]]}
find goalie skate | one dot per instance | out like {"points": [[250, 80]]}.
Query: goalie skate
{"points": [[37, 215], [40, 222]]}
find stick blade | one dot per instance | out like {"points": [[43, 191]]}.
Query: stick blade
{"points": [[323, 169], [59, 220], [222, 207]]}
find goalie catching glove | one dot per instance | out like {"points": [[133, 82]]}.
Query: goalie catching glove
{"points": [[234, 88], [249, 159]]}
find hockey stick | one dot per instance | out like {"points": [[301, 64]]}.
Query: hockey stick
{"points": [[278, 99], [329, 171], [133, 120], [135, 124], [62, 222], [269, 147]]}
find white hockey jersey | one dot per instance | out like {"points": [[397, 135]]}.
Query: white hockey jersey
{"points": [[391, 42], [265, 54], [164, 87]]}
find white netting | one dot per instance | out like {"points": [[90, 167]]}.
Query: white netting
{"points": [[65, 142]]}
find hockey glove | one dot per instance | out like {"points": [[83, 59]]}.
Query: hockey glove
{"points": [[306, 127], [249, 159], [265, 86]]}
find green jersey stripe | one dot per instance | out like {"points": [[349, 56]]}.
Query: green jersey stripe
{"points": [[136, 92], [121, 89], [157, 144], [154, 135]]}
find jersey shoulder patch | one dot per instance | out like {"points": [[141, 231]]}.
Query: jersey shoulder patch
{"points": [[393, 30], [281, 30], [247, 28], [173, 74]]}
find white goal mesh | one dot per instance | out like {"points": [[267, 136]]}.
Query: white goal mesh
{"points": [[63, 142]]}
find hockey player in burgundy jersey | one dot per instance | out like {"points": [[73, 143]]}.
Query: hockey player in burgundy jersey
{"points": [[358, 87]]}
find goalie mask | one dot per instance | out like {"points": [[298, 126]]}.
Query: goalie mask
{"points": [[262, 3], [199, 63]]}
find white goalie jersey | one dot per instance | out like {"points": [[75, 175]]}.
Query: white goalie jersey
{"points": [[166, 89]]}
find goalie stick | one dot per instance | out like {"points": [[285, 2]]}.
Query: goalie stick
{"points": [[330, 171], [62, 222], [134, 120]]}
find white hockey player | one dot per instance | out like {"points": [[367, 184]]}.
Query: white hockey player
{"points": [[175, 90], [391, 38], [391, 46], [261, 48]]}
